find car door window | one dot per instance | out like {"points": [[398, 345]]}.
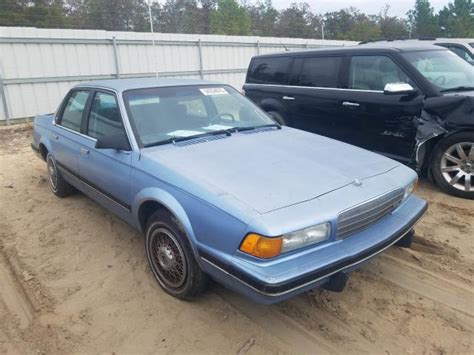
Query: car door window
{"points": [[317, 71], [104, 117], [72, 114], [460, 52], [269, 70], [374, 72]]}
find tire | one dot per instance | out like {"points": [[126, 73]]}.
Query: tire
{"points": [[278, 118], [57, 184], [453, 165], [171, 258], [406, 240]]}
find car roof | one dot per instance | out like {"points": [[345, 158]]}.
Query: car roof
{"points": [[121, 85], [362, 48]]}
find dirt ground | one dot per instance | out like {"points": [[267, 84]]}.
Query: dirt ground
{"points": [[74, 279]]}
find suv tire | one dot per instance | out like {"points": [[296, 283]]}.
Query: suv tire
{"points": [[278, 118], [453, 165]]}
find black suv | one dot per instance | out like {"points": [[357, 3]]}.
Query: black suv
{"points": [[413, 104]]}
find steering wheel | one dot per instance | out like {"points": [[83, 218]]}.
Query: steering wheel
{"points": [[221, 117], [440, 80]]}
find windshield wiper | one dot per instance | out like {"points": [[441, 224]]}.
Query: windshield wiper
{"points": [[173, 140], [459, 88], [249, 128]]}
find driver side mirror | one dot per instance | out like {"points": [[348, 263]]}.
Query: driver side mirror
{"points": [[399, 89], [119, 142]]}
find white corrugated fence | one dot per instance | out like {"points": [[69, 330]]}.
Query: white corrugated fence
{"points": [[38, 66]]}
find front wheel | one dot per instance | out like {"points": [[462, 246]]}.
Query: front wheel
{"points": [[171, 258], [453, 165]]}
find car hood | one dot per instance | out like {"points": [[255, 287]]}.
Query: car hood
{"points": [[272, 169]]}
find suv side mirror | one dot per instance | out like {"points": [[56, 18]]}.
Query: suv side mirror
{"points": [[119, 142], [398, 89]]}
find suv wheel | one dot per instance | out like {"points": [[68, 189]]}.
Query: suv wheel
{"points": [[453, 165], [171, 258], [278, 118]]}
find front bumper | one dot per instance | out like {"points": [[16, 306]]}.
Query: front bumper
{"points": [[275, 281]]}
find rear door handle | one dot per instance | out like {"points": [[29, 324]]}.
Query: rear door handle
{"points": [[288, 98], [84, 151], [350, 104]]}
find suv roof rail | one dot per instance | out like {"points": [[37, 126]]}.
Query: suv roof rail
{"points": [[398, 39]]}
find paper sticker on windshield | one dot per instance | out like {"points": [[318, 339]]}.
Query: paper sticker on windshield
{"points": [[183, 133], [213, 91], [217, 127]]}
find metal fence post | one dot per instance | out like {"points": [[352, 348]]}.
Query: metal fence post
{"points": [[258, 47], [201, 65], [116, 57], [4, 100]]}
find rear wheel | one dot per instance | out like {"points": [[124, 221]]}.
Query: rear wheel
{"points": [[57, 184], [279, 118], [453, 165], [171, 258]]}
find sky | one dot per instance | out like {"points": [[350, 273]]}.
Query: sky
{"points": [[397, 7]]}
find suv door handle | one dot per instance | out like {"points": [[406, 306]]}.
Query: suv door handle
{"points": [[84, 151], [288, 98], [350, 104]]}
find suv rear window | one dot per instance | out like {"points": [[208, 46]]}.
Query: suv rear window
{"points": [[317, 71], [268, 70]]}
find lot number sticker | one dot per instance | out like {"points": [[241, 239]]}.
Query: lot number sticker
{"points": [[213, 91]]}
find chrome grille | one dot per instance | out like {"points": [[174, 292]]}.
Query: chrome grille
{"points": [[362, 216]]}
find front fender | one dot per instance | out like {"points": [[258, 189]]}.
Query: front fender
{"points": [[166, 199]]}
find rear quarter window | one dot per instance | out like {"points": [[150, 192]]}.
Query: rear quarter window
{"points": [[268, 70]]}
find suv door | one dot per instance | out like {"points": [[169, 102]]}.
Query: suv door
{"points": [[66, 132], [313, 97], [265, 84], [375, 120], [106, 172]]}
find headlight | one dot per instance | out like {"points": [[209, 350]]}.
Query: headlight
{"points": [[409, 189], [265, 247]]}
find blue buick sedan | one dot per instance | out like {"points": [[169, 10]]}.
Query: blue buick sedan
{"points": [[220, 190]]}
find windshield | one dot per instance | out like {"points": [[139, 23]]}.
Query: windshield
{"points": [[174, 113], [443, 68]]}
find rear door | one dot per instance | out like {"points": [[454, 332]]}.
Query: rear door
{"points": [[66, 132], [313, 96], [265, 83], [372, 119], [106, 172]]}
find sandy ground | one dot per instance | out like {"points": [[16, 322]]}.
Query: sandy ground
{"points": [[73, 278]]}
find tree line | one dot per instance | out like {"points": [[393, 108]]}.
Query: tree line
{"points": [[230, 17]]}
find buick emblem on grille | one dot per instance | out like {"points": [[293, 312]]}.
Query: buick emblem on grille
{"points": [[357, 182]]}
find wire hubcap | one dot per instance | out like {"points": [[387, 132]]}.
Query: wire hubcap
{"points": [[457, 166], [53, 177], [168, 258]]}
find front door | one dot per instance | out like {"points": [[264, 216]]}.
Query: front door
{"points": [[383, 123], [106, 172]]}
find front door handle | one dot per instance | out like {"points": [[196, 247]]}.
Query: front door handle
{"points": [[84, 151], [350, 104], [288, 98], [55, 136]]}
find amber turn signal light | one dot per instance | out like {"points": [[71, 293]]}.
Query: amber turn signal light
{"points": [[260, 246]]}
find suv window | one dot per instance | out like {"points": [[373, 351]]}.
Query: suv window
{"points": [[459, 51], [317, 71], [104, 117], [72, 114], [374, 72], [269, 70]]}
